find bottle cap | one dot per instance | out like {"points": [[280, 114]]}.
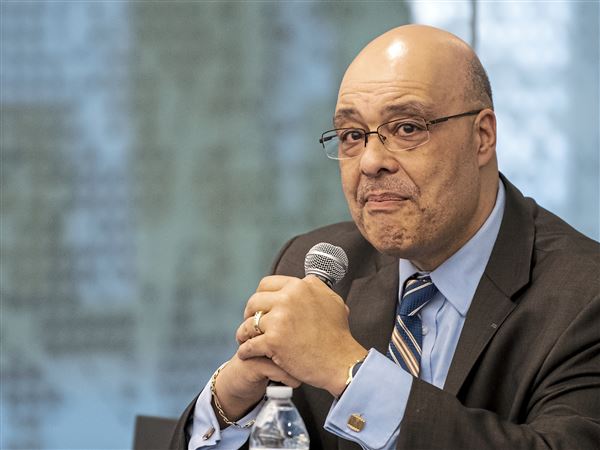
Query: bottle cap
{"points": [[279, 392]]}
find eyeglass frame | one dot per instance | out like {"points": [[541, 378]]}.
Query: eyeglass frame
{"points": [[382, 138]]}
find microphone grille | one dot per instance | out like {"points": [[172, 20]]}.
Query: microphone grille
{"points": [[327, 261]]}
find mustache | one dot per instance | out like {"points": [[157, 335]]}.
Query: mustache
{"points": [[385, 187]]}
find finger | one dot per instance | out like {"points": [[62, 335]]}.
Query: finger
{"points": [[244, 331], [275, 373], [260, 301], [247, 330], [317, 283], [254, 348], [273, 283], [313, 279]]}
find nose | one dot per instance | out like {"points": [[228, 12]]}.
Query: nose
{"points": [[376, 160]]}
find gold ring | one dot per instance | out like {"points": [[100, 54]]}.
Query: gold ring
{"points": [[257, 316]]}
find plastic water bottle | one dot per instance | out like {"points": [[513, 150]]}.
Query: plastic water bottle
{"points": [[279, 424]]}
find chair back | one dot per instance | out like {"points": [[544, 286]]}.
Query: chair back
{"points": [[153, 433]]}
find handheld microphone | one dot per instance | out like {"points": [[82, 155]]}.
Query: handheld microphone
{"points": [[326, 261]]}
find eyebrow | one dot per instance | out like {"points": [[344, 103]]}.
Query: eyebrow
{"points": [[397, 109], [343, 114], [408, 108]]}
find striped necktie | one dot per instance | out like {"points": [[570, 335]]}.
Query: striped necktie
{"points": [[405, 345]]}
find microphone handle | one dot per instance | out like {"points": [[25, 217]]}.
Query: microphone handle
{"points": [[324, 279]]}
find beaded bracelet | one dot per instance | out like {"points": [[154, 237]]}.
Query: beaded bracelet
{"points": [[213, 391]]}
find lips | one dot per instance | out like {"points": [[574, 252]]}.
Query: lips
{"points": [[380, 197]]}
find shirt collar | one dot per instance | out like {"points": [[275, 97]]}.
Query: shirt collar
{"points": [[457, 278]]}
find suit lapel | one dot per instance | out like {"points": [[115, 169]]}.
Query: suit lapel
{"points": [[507, 271], [372, 302], [487, 312]]}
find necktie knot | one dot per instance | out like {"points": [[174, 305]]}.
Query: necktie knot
{"points": [[418, 290]]}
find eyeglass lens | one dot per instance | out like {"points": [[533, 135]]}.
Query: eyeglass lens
{"points": [[401, 134]]}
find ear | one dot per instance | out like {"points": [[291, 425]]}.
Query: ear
{"points": [[485, 127]]}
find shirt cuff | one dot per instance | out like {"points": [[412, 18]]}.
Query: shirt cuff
{"points": [[205, 427], [378, 393]]}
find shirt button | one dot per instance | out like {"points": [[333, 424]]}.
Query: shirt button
{"points": [[425, 330]]}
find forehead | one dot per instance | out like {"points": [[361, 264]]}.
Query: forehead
{"points": [[379, 100]]}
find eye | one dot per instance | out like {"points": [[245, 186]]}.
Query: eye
{"points": [[351, 136], [406, 128]]}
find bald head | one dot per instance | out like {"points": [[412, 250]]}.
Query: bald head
{"points": [[423, 54]]}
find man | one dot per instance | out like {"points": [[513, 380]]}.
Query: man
{"points": [[502, 348]]}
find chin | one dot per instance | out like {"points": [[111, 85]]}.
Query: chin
{"points": [[395, 248], [392, 240]]}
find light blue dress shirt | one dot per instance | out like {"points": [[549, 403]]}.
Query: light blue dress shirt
{"points": [[379, 379]]}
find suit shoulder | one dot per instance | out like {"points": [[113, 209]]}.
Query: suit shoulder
{"points": [[556, 238], [565, 260]]}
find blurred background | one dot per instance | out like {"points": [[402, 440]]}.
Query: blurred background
{"points": [[155, 156]]}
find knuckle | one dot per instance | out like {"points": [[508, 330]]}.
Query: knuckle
{"points": [[311, 280], [249, 305], [276, 315], [263, 283], [245, 349], [300, 283], [293, 284]]}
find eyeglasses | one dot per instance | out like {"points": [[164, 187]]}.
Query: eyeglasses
{"points": [[396, 135]]}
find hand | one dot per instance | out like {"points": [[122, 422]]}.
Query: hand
{"points": [[242, 384], [305, 331]]}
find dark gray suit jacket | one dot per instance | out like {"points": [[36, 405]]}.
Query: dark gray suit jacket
{"points": [[526, 371]]}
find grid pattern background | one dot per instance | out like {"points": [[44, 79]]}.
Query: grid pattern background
{"points": [[155, 155]]}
